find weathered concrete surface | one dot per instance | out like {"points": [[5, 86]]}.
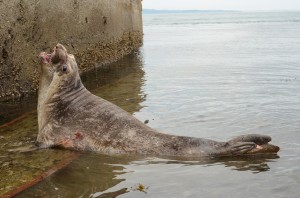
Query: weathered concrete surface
{"points": [[95, 31]]}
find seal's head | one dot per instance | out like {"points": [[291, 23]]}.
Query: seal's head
{"points": [[65, 77], [64, 64], [59, 54]]}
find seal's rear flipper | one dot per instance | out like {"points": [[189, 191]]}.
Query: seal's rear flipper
{"points": [[262, 146], [256, 138]]}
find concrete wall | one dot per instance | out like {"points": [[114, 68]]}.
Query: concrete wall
{"points": [[95, 31]]}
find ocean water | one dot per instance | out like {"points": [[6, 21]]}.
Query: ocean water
{"points": [[213, 75]]}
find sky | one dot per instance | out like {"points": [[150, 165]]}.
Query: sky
{"points": [[246, 5]]}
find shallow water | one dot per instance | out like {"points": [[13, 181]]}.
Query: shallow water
{"points": [[212, 75]]}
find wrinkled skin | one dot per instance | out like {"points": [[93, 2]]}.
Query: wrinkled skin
{"points": [[72, 117]]}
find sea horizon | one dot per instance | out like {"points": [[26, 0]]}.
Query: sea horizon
{"points": [[184, 11]]}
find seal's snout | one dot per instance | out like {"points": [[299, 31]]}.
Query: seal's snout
{"points": [[60, 47], [59, 54], [44, 57]]}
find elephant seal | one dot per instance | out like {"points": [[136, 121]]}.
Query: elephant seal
{"points": [[71, 117]]}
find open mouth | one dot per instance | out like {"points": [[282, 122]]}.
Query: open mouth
{"points": [[45, 58]]}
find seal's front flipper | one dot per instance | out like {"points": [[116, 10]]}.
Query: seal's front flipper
{"points": [[261, 143]]}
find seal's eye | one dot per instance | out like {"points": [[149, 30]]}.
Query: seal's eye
{"points": [[64, 67]]}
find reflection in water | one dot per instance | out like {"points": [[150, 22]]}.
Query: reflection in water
{"points": [[254, 164], [14, 109], [84, 176], [121, 82], [95, 175], [112, 194]]}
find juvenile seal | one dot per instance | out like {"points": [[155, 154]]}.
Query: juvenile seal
{"points": [[71, 117]]}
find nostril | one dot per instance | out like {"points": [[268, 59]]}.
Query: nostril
{"points": [[64, 67], [58, 46]]}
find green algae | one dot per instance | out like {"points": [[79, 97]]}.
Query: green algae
{"points": [[20, 161]]}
